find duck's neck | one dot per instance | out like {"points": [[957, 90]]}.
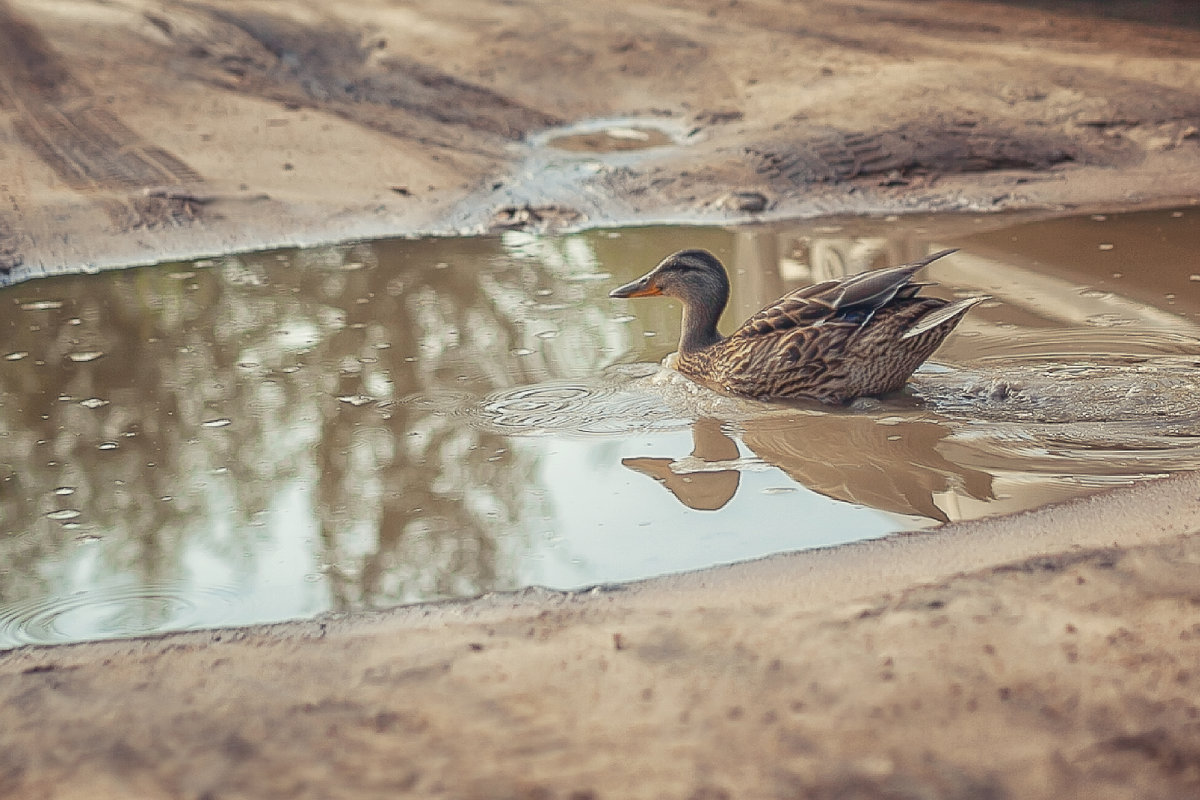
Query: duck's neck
{"points": [[700, 323]]}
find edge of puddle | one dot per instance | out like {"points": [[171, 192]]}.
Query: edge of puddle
{"points": [[1153, 512], [1145, 513], [470, 215]]}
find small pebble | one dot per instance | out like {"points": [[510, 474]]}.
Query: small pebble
{"points": [[745, 201]]}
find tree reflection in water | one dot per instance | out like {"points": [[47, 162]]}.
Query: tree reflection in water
{"points": [[158, 422]]}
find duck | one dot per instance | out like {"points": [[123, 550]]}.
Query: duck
{"points": [[833, 342]]}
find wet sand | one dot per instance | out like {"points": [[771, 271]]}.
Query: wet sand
{"points": [[1047, 654]]}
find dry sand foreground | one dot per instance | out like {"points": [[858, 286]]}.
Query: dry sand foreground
{"points": [[1050, 654]]}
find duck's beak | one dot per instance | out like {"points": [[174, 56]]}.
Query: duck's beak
{"points": [[644, 286]]}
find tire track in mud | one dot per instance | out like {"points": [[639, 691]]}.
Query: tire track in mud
{"points": [[345, 71], [794, 158], [927, 147], [88, 148]]}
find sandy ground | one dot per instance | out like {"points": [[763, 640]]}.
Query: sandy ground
{"points": [[135, 131], [1051, 654]]}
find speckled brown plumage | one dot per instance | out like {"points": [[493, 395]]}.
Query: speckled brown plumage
{"points": [[832, 342]]}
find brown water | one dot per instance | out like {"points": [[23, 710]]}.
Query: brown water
{"points": [[608, 136], [270, 436]]}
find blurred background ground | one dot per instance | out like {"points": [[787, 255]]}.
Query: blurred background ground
{"points": [[138, 131]]}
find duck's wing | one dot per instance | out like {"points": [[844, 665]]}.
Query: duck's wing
{"points": [[801, 308], [853, 300]]}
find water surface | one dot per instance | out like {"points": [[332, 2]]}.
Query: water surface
{"points": [[269, 436]]}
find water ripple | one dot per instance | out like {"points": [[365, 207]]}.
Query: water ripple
{"points": [[1104, 341], [1157, 392], [623, 399], [113, 611], [575, 407], [1097, 422]]}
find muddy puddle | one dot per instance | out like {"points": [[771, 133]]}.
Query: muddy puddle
{"points": [[275, 435], [606, 137]]}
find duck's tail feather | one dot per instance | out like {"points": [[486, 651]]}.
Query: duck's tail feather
{"points": [[942, 315], [876, 288]]}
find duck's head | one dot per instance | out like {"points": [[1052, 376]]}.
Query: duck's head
{"points": [[694, 276]]}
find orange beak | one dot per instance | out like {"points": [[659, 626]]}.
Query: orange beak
{"points": [[642, 287]]}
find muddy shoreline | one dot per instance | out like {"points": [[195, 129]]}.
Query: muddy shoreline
{"points": [[1046, 654]]}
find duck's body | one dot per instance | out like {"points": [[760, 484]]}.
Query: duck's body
{"points": [[832, 342]]}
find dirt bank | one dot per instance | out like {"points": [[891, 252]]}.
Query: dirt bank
{"points": [[141, 131], [1050, 654]]}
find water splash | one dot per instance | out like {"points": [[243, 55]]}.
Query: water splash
{"points": [[1159, 393], [1100, 423]]}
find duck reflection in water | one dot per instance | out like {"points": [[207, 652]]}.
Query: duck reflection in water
{"points": [[703, 490], [852, 458]]}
